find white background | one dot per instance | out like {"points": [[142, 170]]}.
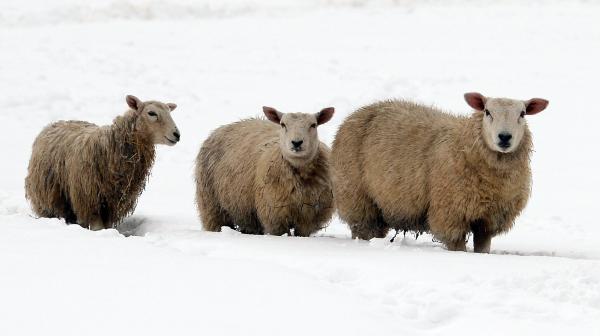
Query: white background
{"points": [[220, 61]]}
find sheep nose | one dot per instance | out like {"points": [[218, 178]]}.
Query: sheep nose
{"points": [[177, 135], [297, 144], [504, 139]]}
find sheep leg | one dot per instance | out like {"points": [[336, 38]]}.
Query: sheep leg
{"points": [[356, 208], [457, 245], [278, 230], [482, 244], [273, 220], [250, 225], [482, 238], [96, 224], [369, 230], [275, 227], [214, 217], [450, 230], [303, 230], [371, 225], [307, 225], [70, 216]]}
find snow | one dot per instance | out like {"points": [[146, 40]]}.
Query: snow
{"points": [[221, 61]]}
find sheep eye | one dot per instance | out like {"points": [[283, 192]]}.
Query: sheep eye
{"points": [[522, 114], [313, 126], [152, 114], [487, 113], [283, 125]]}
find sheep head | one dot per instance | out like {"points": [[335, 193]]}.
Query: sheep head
{"points": [[503, 119], [299, 140], [155, 117]]}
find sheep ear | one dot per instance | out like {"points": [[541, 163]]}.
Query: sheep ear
{"points": [[325, 115], [535, 105], [134, 102], [172, 106], [476, 100], [272, 114]]}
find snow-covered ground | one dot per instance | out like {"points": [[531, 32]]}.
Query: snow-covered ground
{"points": [[221, 61]]}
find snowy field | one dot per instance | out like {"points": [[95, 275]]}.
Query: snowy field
{"points": [[220, 61]]}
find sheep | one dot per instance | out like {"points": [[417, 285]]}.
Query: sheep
{"points": [[266, 176], [398, 164], [93, 175]]}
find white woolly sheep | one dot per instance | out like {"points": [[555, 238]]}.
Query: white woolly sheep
{"points": [[270, 177], [93, 175], [406, 166]]}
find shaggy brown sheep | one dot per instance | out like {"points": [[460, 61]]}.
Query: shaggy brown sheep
{"points": [[93, 175], [406, 166], [268, 177]]}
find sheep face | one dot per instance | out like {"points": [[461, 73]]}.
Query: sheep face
{"points": [[298, 138], [155, 117], [504, 119]]}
